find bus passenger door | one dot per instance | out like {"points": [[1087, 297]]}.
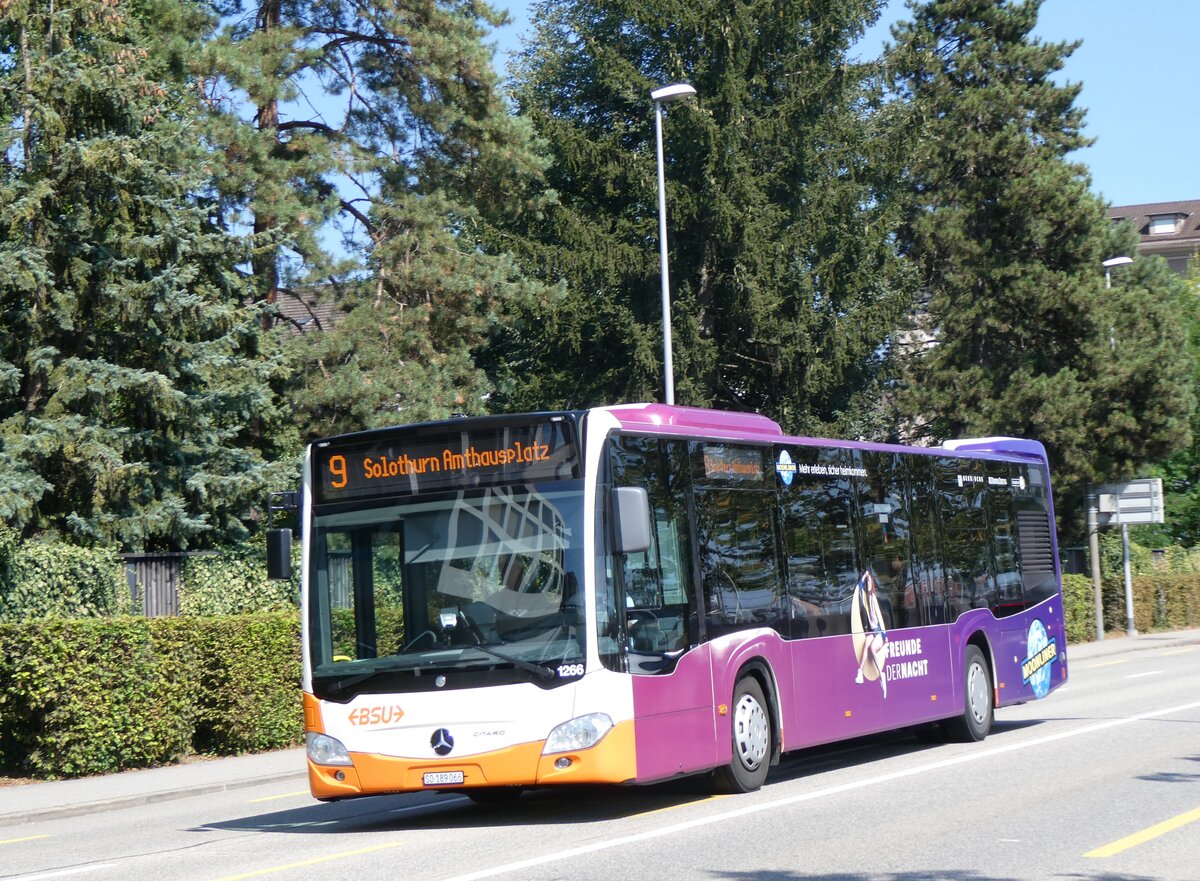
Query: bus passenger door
{"points": [[671, 673]]}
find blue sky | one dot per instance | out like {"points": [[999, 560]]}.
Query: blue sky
{"points": [[1137, 67]]}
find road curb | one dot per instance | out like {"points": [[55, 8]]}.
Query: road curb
{"points": [[1121, 645], [146, 798]]}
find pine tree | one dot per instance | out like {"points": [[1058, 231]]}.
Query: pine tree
{"points": [[384, 121], [1010, 241], [784, 281], [135, 406]]}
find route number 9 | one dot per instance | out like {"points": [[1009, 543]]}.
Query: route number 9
{"points": [[337, 467]]}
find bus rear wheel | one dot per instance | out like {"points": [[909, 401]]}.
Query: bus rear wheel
{"points": [[752, 740], [976, 720]]}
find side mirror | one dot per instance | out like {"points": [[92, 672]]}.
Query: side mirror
{"points": [[279, 554], [631, 519]]}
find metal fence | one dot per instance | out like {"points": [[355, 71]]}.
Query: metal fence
{"points": [[154, 580]]}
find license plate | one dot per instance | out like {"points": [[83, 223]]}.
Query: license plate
{"points": [[442, 778]]}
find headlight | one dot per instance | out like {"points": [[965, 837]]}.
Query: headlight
{"points": [[582, 733], [325, 750]]}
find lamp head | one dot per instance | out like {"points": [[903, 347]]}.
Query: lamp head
{"points": [[673, 92]]}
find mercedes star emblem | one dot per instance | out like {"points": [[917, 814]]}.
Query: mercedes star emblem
{"points": [[442, 742]]}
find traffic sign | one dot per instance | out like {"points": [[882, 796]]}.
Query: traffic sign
{"points": [[1129, 503]]}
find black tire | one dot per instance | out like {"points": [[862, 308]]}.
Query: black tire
{"points": [[753, 740], [494, 795], [978, 711]]}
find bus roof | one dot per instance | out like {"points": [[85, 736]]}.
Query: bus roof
{"points": [[667, 419]]}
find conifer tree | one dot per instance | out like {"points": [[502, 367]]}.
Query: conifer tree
{"points": [[383, 121], [134, 383], [784, 280], [1010, 242]]}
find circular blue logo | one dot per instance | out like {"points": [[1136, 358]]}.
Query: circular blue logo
{"points": [[1041, 651]]}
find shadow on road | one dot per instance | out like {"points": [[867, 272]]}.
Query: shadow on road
{"points": [[563, 805]]}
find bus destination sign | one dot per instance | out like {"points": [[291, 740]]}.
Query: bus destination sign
{"points": [[404, 463]]}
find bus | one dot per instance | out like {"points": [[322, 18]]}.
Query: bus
{"points": [[629, 594]]}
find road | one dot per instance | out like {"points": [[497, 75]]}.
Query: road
{"points": [[1100, 781]]}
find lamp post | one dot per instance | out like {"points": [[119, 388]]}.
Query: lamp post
{"points": [[660, 96], [1109, 264], [1093, 502]]}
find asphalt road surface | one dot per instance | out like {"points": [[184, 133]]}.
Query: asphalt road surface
{"points": [[1100, 781]]}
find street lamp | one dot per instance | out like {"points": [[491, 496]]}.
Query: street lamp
{"points": [[1109, 264], [660, 96], [1093, 502]]}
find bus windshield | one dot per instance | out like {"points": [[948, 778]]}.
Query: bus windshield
{"points": [[479, 586]]}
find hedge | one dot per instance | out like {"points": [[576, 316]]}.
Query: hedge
{"points": [[91, 696], [1161, 601], [234, 582], [54, 580]]}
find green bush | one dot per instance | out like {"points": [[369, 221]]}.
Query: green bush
{"points": [[93, 696], [1079, 608], [1161, 601], [234, 581], [52, 580], [250, 683]]}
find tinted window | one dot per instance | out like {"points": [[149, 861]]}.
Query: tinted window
{"points": [[739, 561], [656, 587], [961, 496], [817, 507], [1010, 593], [930, 582], [884, 533]]}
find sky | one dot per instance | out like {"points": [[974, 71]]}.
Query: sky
{"points": [[1137, 67]]}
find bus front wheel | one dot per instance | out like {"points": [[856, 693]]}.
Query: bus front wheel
{"points": [[751, 722], [976, 720]]}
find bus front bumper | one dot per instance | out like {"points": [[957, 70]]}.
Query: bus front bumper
{"points": [[612, 760]]}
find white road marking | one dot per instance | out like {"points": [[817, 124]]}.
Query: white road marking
{"points": [[748, 810], [62, 873], [1140, 675]]}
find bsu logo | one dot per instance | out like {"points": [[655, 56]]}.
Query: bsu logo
{"points": [[442, 742]]}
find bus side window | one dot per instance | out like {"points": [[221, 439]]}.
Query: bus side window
{"points": [[1009, 598], [966, 557], [929, 581], [822, 561], [884, 532], [739, 563]]}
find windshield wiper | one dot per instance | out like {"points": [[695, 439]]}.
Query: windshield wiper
{"points": [[344, 685], [542, 670]]}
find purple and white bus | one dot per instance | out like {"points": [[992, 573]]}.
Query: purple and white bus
{"points": [[633, 593]]}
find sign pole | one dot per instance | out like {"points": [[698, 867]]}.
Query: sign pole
{"points": [[1094, 553], [1130, 630]]}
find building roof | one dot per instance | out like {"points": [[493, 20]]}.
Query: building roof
{"points": [[305, 309], [1139, 215]]}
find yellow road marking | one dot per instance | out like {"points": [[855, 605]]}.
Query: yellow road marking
{"points": [[313, 862], [1145, 835], [255, 801], [1102, 664], [1182, 651], [26, 838]]}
